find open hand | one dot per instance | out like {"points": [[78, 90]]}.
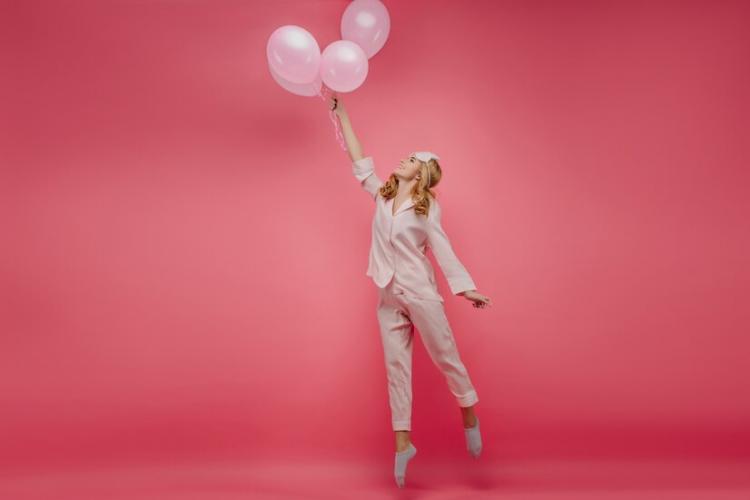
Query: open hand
{"points": [[478, 300]]}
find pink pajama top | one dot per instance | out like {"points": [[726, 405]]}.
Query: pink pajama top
{"points": [[399, 243]]}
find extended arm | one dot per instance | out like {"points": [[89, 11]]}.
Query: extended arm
{"points": [[352, 143], [363, 168], [455, 273]]}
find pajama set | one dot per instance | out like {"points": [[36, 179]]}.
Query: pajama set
{"points": [[408, 296]]}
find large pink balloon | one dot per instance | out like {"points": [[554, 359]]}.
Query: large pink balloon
{"points": [[304, 89], [343, 66], [294, 54], [366, 23]]}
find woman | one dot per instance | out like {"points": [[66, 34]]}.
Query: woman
{"points": [[405, 224]]}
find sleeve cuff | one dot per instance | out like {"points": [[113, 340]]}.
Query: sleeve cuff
{"points": [[461, 286], [363, 168]]}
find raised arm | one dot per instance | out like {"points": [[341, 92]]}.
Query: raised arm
{"points": [[455, 273], [363, 167], [352, 143]]}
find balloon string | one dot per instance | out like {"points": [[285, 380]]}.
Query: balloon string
{"points": [[323, 94]]}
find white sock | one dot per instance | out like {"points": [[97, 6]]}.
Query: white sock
{"points": [[402, 460], [473, 440]]}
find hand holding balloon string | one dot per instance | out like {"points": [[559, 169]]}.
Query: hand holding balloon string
{"points": [[336, 109]]}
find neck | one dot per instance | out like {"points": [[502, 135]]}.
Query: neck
{"points": [[406, 186]]}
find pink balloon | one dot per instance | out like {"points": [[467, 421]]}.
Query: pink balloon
{"points": [[304, 89], [294, 54], [343, 66], [366, 23]]}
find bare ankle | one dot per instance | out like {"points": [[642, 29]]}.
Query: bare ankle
{"points": [[402, 440]]}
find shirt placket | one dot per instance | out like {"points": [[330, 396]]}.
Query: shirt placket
{"points": [[391, 223]]}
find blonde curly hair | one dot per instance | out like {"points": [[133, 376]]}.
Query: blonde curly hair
{"points": [[422, 193]]}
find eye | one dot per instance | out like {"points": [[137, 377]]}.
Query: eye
{"points": [[411, 160]]}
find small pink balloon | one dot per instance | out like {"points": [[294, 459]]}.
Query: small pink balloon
{"points": [[294, 54], [366, 23], [304, 89], [343, 66]]}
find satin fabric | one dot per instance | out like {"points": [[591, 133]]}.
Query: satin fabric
{"points": [[399, 243], [408, 297], [399, 314]]}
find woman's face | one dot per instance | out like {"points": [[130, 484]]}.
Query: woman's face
{"points": [[408, 168]]}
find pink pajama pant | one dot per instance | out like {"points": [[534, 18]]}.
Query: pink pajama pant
{"points": [[398, 313]]}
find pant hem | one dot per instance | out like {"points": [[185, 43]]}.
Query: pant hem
{"points": [[401, 425], [467, 400]]}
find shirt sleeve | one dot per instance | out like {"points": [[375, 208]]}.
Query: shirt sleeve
{"points": [[455, 273], [364, 172]]}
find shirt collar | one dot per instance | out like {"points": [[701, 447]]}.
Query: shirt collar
{"points": [[406, 204]]}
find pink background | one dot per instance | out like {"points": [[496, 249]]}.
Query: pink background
{"points": [[182, 267]]}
